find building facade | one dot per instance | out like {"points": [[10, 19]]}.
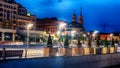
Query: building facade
{"points": [[50, 25], [75, 25], [13, 15]]}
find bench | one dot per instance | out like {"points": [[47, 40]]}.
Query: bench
{"points": [[12, 53]]}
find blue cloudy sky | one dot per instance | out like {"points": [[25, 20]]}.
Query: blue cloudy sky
{"points": [[96, 13]]}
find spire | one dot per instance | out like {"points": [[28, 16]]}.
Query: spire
{"points": [[74, 16], [80, 20], [74, 13], [81, 11]]}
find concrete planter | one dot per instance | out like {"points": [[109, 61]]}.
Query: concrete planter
{"points": [[104, 50], [86, 51], [75, 51], [46, 52], [112, 49], [53, 51], [68, 51], [81, 51], [72, 51], [61, 51]]}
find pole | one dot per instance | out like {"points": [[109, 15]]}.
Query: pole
{"points": [[27, 43], [28, 36]]}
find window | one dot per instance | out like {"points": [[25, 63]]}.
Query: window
{"points": [[14, 22], [1, 14], [14, 7], [14, 12], [1, 9], [4, 10], [14, 17], [0, 19], [8, 16], [0, 4]]}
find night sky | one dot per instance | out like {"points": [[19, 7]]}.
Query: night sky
{"points": [[96, 13]]}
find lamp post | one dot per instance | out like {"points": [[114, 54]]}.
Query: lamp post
{"points": [[84, 35], [95, 38], [28, 32], [111, 39], [62, 25], [111, 36], [89, 40], [73, 34]]}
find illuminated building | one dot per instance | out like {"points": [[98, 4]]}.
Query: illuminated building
{"points": [[14, 16], [76, 25], [49, 25]]}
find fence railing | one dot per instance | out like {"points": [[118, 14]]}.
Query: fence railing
{"points": [[18, 52]]}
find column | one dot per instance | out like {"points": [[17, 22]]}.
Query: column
{"points": [[3, 37], [13, 37]]}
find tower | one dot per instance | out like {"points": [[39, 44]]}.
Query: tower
{"points": [[74, 17], [80, 20]]}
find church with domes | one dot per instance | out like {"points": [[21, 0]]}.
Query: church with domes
{"points": [[75, 25]]}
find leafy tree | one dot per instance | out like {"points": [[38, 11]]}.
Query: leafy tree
{"points": [[49, 42], [112, 42], [105, 42], [66, 43], [79, 44]]}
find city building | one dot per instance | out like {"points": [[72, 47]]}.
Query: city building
{"points": [[8, 14], [76, 25], [50, 25], [115, 36], [14, 17], [24, 18]]}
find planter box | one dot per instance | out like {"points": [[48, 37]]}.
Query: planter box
{"points": [[81, 51], [104, 50], [53, 51], [112, 49], [86, 51], [46, 52], [75, 51], [61, 51], [68, 51]]}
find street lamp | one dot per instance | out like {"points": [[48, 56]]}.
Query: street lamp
{"points": [[84, 35], [61, 26], [95, 38], [28, 32], [111, 35], [73, 34]]}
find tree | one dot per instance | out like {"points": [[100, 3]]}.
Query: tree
{"points": [[79, 44], [105, 42], [49, 42], [112, 42], [97, 42], [66, 43]]}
